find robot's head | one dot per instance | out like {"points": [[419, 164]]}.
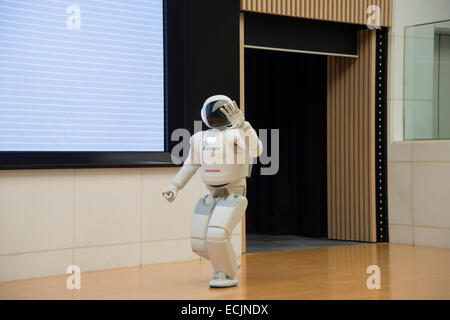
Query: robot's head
{"points": [[211, 114]]}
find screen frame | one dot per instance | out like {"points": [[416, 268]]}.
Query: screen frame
{"points": [[10, 160]]}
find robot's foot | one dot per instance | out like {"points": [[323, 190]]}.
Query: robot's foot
{"points": [[222, 281], [216, 276]]}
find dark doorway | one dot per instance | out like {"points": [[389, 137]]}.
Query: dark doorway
{"points": [[288, 91]]}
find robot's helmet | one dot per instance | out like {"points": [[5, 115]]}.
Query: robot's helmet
{"points": [[211, 114]]}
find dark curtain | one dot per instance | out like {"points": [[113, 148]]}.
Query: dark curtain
{"points": [[287, 91]]}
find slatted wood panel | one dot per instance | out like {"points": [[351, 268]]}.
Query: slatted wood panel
{"points": [[350, 143], [349, 11]]}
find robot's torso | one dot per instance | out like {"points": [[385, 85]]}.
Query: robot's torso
{"points": [[222, 156]]}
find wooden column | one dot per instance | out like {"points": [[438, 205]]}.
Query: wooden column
{"points": [[351, 143]]}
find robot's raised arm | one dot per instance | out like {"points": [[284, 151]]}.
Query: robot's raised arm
{"points": [[248, 139]]}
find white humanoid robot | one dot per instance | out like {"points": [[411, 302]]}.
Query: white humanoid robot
{"points": [[223, 152]]}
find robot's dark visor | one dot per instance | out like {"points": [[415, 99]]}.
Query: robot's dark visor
{"points": [[215, 117]]}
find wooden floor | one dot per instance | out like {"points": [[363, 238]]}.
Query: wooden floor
{"points": [[407, 272]]}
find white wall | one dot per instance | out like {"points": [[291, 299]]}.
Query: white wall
{"points": [[94, 218], [418, 172]]}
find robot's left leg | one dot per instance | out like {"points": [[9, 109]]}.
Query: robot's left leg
{"points": [[226, 215], [199, 225]]}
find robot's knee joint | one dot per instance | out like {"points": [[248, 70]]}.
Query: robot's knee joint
{"points": [[199, 247], [216, 234], [198, 244]]}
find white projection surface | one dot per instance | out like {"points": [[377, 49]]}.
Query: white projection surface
{"points": [[81, 75]]}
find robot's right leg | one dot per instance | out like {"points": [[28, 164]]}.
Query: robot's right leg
{"points": [[225, 217], [199, 225]]}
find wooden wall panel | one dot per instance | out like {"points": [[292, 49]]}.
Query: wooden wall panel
{"points": [[350, 145], [349, 11]]}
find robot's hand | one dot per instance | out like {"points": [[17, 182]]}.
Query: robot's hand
{"points": [[170, 192], [233, 114]]}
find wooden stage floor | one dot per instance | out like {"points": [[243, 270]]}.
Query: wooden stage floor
{"points": [[407, 272]]}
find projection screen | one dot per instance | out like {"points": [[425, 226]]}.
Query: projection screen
{"points": [[82, 75]]}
